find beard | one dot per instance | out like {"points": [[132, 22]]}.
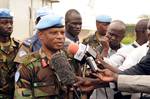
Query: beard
{"points": [[4, 33], [50, 48]]}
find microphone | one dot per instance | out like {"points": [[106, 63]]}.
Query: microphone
{"points": [[91, 63], [62, 68], [83, 53]]}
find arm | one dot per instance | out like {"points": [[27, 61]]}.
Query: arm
{"points": [[127, 83], [100, 61], [104, 41], [136, 83], [134, 57], [119, 57], [142, 68], [22, 84]]}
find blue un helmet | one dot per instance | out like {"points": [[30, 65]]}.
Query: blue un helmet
{"points": [[43, 11], [49, 21], [5, 13], [104, 18]]}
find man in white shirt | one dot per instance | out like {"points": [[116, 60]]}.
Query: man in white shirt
{"points": [[118, 58], [134, 57], [115, 33]]}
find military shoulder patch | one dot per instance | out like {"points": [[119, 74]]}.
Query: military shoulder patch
{"points": [[30, 58], [22, 53], [17, 76]]}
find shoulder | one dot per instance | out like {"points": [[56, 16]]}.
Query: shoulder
{"points": [[67, 42], [22, 52], [126, 48], [88, 39], [30, 58], [17, 42]]}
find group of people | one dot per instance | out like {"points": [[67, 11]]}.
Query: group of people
{"points": [[41, 67]]}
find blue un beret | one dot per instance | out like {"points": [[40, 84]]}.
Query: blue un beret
{"points": [[49, 21], [43, 11], [103, 18], [5, 13]]}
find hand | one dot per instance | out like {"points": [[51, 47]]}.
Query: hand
{"points": [[106, 75], [86, 84], [99, 58], [105, 42]]}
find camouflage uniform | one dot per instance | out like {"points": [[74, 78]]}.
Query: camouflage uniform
{"points": [[93, 41], [7, 68], [36, 79], [25, 48]]}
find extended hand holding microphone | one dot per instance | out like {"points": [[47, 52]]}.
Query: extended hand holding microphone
{"points": [[84, 53]]}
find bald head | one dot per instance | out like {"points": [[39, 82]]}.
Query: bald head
{"points": [[141, 26], [72, 14], [117, 25], [141, 33], [148, 30], [116, 31]]}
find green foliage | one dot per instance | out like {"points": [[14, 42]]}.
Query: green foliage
{"points": [[129, 38]]}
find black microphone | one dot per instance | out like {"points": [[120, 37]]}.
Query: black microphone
{"points": [[63, 68]]}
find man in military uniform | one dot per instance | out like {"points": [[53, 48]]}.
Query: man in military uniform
{"points": [[102, 22], [35, 77], [8, 50], [33, 43]]}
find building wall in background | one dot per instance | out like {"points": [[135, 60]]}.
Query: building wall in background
{"points": [[24, 14], [4, 3]]}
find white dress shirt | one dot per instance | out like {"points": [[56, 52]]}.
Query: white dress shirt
{"points": [[119, 57], [134, 57], [100, 93]]}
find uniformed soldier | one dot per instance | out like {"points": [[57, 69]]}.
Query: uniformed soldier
{"points": [[102, 22], [8, 51], [33, 43], [35, 77]]}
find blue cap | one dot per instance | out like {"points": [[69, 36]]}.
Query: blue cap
{"points": [[43, 11], [103, 18], [49, 21], [5, 13]]}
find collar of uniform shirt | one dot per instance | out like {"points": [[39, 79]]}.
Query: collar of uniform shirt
{"points": [[75, 39]]}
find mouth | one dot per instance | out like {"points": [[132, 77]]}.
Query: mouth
{"points": [[60, 43], [78, 30], [9, 30]]}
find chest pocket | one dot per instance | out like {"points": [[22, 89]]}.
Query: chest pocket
{"points": [[44, 84]]}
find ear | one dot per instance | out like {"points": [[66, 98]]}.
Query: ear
{"points": [[40, 35]]}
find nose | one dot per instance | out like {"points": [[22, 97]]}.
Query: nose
{"points": [[60, 35], [78, 26], [148, 33], [112, 37], [9, 25]]}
